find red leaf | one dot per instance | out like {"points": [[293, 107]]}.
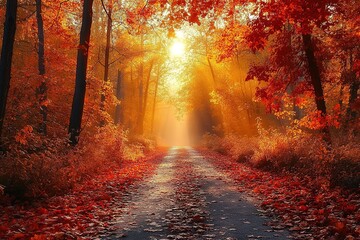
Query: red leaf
{"points": [[350, 208], [303, 208], [38, 237], [43, 210], [19, 236], [340, 227], [4, 228]]}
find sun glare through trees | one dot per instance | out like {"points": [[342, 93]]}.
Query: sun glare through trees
{"points": [[260, 97], [177, 49]]}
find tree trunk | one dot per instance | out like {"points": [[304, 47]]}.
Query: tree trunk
{"points": [[316, 83], [41, 91], [343, 79], [139, 124], [354, 88], [218, 118], [353, 92], [6, 56], [119, 96], [146, 92], [212, 72], [155, 97], [81, 69], [131, 121], [107, 57]]}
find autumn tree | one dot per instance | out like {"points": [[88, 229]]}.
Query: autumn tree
{"points": [[41, 91], [265, 20], [138, 19], [6, 55], [345, 41], [81, 70], [108, 12], [119, 96], [304, 16]]}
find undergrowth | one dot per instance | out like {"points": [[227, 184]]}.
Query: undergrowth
{"points": [[37, 166], [295, 151]]}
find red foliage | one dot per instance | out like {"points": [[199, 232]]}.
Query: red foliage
{"points": [[304, 205], [88, 208]]}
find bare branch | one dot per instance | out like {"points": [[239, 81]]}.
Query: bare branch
{"points": [[106, 11]]}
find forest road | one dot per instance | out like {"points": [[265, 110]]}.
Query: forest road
{"points": [[187, 198]]}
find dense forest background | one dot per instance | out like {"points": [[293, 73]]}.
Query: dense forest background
{"points": [[271, 83]]}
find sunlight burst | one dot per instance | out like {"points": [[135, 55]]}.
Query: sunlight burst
{"points": [[177, 49]]}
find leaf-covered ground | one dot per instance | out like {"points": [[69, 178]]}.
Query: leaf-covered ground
{"points": [[309, 208], [188, 195], [187, 198], [85, 212]]}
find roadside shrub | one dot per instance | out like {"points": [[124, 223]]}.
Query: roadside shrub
{"points": [[345, 168], [213, 142], [346, 173], [46, 167], [295, 151], [289, 152], [26, 173], [239, 148], [143, 143]]}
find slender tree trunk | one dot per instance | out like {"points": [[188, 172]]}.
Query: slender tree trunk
{"points": [[343, 79], [139, 125], [146, 92], [41, 91], [316, 83], [218, 119], [341, 95], [6, 56], [41, 38], [107, 57], [293, 78], [212, 71], [132, 100], [354, 88], [155, 98], [119, 96], [81, 69], [148, 83], [353, 91]]}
